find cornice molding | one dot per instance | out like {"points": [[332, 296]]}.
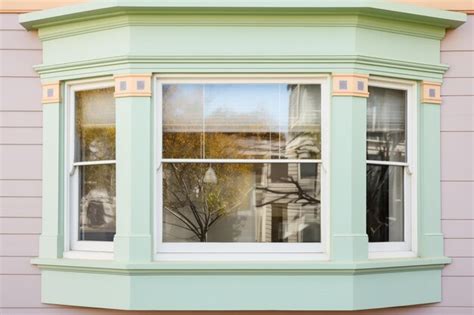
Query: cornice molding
{"points": [[383, 9], [359, 20], [149, 64]]}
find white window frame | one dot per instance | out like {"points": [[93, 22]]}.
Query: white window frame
{"points": [[73, 247], [242, 251], [407, 248]]}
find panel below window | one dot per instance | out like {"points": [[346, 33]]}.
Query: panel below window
{"points": [[385, 203], [231, 202]]}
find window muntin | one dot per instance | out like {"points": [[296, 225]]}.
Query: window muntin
{"points": [[237, 132], [92, 186], [390, 162]]}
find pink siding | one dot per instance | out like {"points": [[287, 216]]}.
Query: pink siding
{"points": [[20, 178]]}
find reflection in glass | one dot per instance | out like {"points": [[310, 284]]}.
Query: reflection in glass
{"points": [[95, 125], [242, 206], [386, 125], [183, 121], [97, 203], [385, 217], [242, 121]]}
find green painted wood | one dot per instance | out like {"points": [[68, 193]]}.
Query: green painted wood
{"points": [[336, 35], [379, 7], [244, 64], [236, 267], [349, 240], [52, 236], [431, 237], [244, 291], [133, 241]]}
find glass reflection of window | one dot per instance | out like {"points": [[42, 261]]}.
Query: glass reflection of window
{"points": [[94, 164], [386, 164], [252, 138]]}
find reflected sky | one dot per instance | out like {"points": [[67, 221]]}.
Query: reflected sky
{"points": [[242, 105]]}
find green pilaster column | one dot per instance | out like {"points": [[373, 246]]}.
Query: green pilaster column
{"points": [[52, 235], [349, 240], [133, 241], [431, 239]]}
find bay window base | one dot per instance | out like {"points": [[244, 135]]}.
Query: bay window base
{"points": [[242, 286]]}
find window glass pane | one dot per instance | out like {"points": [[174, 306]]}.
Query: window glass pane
{"points": [[183, 121], [230, 202], [386, 125], [241, 121], [279, 172], [95, 125], [307, 170], [302, 134], [97, 203], [385, 203]]}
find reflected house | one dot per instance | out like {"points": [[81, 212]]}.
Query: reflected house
{"points": [[287, 215]]}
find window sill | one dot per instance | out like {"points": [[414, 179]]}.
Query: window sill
{"points": [[91, 255], [296, 285]]}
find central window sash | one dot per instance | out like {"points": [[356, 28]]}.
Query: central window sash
{"points": [[210, 170]]}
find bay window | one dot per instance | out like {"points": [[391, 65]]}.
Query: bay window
{"points": [[240, 165], [270, 150]]}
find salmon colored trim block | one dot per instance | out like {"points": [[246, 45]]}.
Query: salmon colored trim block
{"points": [[51, 93], [431, 92], [350, 85], [20, 6], [132, 85]]}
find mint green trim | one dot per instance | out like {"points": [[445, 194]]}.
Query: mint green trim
{"points": [[111, 7], [242, 290], [133, 241], [52, 236], [431, 238], [349, 240], [250, 64], [323, 267], [140, 19]]}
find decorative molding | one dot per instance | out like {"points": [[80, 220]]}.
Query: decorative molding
{"points": [[51, 93], [350, 85], [431, 92], [132, 85], [267, 63], [113, 21]]}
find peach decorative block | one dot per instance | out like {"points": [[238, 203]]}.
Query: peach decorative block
{"points": [[431, 92], [51, 93], [350, 85], [132, 85]]}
